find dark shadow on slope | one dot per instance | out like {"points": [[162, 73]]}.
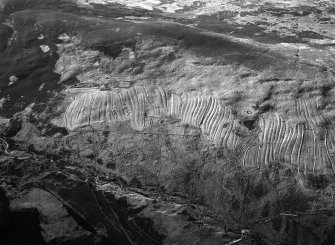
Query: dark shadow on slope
{"points": [[24, 227], [100, 211]]}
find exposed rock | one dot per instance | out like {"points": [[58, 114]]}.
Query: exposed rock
{"points": [[68, 209]]}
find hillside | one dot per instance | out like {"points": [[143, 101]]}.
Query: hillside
{"points": [[167, 122]]}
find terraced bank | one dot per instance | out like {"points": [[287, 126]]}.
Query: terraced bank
{"points": [[306, 140]]}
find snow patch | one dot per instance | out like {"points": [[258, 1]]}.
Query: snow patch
{"points": [[294, 45], [322, 41], [170, 8], [12, 80], [41, 87], [40, 37], [203, 6], [2, 102], [45, 48], [132, 18], [144, 4], [64, 37]]}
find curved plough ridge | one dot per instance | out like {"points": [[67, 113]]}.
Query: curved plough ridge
{"points": [[175, 105], [251, 156], [92, 108], [309, 144], [140, 105]]}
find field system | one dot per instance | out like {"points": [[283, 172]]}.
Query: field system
{"points": [[306, 141]]}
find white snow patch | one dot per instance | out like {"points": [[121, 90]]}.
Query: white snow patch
{"points": [[145, 4], [132, 55], [170, 8], [128, 17], [12, 80], [2, 102], [322, 41], [64, 37], [294, 45], [41, 87], [199, 7], [40, 37], [45, 48]]}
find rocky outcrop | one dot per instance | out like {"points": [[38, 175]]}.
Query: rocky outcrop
{"points": [[65, 208], [57, 201]]}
